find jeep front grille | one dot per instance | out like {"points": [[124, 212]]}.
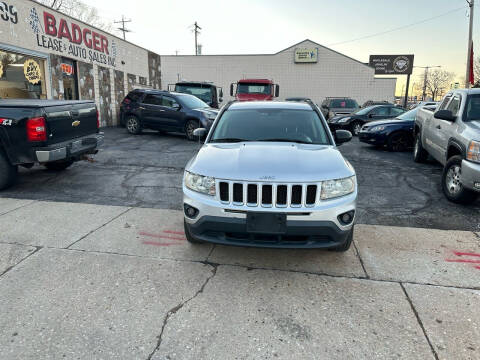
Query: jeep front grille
{"points": [[268, 195]]}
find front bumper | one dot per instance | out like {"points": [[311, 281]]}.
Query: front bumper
{"points": [[471, 175], [70, 149], [372, 138], [315, 227]]}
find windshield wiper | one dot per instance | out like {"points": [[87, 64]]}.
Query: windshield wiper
{"points": [[228, 140], [287, 140]]}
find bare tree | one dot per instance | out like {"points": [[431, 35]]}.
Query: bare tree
{"points": [[438, 81], [78, 10]]}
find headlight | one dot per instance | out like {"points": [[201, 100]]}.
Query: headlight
{"points": [[336, 188], [378, 128], [200, 183], [345, 119], [473, 153]]}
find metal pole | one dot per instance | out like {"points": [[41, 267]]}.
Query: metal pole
{"points": [[196, 46], [425, 84], [470, 30], [405, 101]]}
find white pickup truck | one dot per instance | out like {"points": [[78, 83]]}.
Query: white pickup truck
{"points": [[451, 135]]}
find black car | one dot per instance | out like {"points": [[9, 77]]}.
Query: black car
{"points": [[165, 111], [396, 134], [356, 120], [372, 102]]}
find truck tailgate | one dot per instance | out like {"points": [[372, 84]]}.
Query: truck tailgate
{"points": [[70, 122]]}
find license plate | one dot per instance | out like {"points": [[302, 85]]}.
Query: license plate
{"points": [[266, 223]]}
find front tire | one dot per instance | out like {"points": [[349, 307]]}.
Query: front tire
{"points": [[420, 155], [190, 127], [188, 235], [8, 172], [345, 246], [58, 165], [397, 142], [133, 125], [355, 128], [452, 182]]}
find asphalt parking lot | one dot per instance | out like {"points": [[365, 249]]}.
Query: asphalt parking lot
{"points": [[146, 171]]}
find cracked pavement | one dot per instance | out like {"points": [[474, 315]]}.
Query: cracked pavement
{"points": [[120, 282], [146, 171]]}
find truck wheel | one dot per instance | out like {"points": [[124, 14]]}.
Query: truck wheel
{"points": [[58, 165], [344, 247], [397, 142], [133, 125], [190, 126], [190, 238], [420, 155], [452, 182], [355, 128], [8, 172]]}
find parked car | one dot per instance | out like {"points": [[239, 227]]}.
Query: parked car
{"points": [[396, 133], [356, 120], [205, 91], [451, 135], [47, 132], [372, 102], [423, 103], [333, 106], [284, 184], [165, 111]]}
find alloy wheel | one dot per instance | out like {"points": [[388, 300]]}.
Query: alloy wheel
{"points": [[454, 179], [132, 125]]}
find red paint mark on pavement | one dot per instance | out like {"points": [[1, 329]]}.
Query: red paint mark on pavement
{"points": [[471, 261], [158, 243], [160, 236], [181, 233], [465, 254], [477, 267]]}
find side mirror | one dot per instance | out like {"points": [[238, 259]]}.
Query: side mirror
{"points": [[221, 94], [370, 116], [231, 89], [444, 115], [200, 132], [220, 99], [324, 106], [277, 90], [176, 106], [342, 136]]}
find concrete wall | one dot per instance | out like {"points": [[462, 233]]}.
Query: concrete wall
{"points": [[30, 30], [333, 75]]}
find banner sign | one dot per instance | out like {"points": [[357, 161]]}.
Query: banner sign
{"points": [[306, 55], [66, 68], [391, 64], [32, 71]]}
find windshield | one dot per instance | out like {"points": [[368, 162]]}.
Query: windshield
{"points": [[409, 115], [364, 111], [473, 107], [303, 126], [245, 88], [192, 102], [203, 93]]}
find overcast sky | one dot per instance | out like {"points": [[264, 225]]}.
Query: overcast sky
{"points": [[268, 26]]}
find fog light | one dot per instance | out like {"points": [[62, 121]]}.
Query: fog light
{"points": [[190, 211], [346, 218]]}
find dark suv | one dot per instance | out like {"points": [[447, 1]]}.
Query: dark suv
{"points": [[165, 111], [333, 106]]}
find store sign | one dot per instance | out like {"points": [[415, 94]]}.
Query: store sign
{"points": [[65, 37], [32, 71], [391, 64], [66, 68], [306, 55]]}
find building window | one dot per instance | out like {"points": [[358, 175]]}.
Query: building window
{"points": [[21, 76]]}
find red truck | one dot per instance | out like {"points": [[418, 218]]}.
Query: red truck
{"points": [[254, 89]]}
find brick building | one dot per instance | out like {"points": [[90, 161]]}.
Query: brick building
{"points": [[46, 54]]}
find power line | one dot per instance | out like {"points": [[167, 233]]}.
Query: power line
{"points": [[398, 28], [123, 29]]}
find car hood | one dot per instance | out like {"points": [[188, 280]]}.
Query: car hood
{"points": [[276, 162], [390, 122], [253, 97], [342, 110], [338, 117], [211, 111]]}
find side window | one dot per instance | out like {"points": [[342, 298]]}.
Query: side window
{"points": [[444, 103], [454, 105], [396, 111], [168, 101], [381, 111], [152, 99], [134, 95]]}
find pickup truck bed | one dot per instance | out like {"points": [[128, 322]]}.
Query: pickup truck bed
{"points": [[48, 132]]}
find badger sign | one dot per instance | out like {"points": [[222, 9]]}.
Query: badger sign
{"points": [[391, 64]]}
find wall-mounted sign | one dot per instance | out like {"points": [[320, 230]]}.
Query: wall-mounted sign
{"points": [[391, 64], [66, 68], [1, 70], [306, 55], [32, 71]]}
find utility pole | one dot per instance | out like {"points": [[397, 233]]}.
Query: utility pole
{"points": [[424, 93], [123, 29], [196, 30], [471, 4]]}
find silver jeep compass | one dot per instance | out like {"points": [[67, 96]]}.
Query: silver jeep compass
{"points": [[270, 175]]}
